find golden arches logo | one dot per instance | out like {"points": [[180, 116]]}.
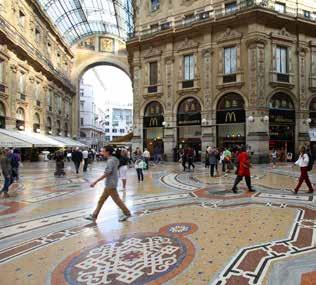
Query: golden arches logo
{"points": [[153, 122], [230, 117]]}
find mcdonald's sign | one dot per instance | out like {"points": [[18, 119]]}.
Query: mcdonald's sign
{"points": [[230, 117], [153, 121]]}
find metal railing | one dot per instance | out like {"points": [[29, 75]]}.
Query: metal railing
{"points": [[219, 13]]}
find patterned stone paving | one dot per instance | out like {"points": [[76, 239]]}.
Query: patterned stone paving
{"points": [[187, 228]]}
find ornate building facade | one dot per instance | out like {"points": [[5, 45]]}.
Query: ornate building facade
{"points": [[225, 73], [36, 93]]}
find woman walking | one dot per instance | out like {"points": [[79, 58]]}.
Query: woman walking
{"points": [[303, 163], [123, 167]]}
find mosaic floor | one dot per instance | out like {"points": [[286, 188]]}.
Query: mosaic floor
{"points": [[187, 228]]}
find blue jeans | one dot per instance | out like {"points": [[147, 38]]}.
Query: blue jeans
{"points": [[7, 183]]}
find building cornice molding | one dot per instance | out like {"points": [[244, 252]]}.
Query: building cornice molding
{"points": [[282, 35], [230, 35], [187, 44]]}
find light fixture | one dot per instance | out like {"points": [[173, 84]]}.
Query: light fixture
{"points": [[21, 128], [251, 119], [309, 120], [38, 130], [266, 118], [164, 123], [59, 134], [50, 132], [204, 121]]}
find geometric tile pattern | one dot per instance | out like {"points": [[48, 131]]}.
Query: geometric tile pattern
{"points": [[250, 264]]}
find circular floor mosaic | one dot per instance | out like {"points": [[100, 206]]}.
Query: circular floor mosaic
{"points": [[138, 259]]}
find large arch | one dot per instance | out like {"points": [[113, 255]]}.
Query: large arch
{"points": [[87, 59]]}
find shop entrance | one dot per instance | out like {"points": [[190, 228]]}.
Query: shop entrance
{"points": [[189, 126], [282, 126], [231, 121], [153, 128]]}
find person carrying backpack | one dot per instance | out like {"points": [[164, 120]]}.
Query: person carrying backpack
{"points": [[305, 163]]}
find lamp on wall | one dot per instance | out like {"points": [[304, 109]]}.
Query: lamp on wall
{"points": [[204, 121], [265, 119], [164, 123], [50, 132], [251, 119], [21, 128], [38, 130], [309, 120]]}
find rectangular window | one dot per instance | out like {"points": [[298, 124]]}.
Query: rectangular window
{"points": [[188, 19], [22, 82], [154, 28], [37, 91], [1, 71], [153, 73], [230, 7], [307, 14], [21, 19], [81, 104], [230, 60], [114, 131], [37, 35], [155, 4], [122, 131], [282, 60], [107, 130], [280, 7], [188, 67], [81, 121]]}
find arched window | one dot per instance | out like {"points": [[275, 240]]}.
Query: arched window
{"points": [[281, 101], [36, 119], [20, 114], [189, 105], [49, 122], [231, 101], [153, 109]]}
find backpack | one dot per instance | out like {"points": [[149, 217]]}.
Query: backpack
{"points": [[310, 162]]}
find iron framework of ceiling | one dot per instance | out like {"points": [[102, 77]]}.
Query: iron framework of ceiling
{"points": [[77, 19]]}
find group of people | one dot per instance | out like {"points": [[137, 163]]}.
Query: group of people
{"points": [[187, 158], [10, 161]]}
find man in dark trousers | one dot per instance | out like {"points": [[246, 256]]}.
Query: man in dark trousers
{"points": [[77, 158]]}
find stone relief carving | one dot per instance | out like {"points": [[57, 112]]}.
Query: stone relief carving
{"points": [[230, 34], [152, 52], [187, 44]]}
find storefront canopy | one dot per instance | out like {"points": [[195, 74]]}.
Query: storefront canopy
{"points": [[69, 142], [10, 138]]}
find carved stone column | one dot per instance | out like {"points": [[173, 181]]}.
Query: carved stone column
{"points": [[170, 130], [208, 132], [257, 136]]}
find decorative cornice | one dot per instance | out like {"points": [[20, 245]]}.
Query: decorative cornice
{"points": [[152, 52], [282, 34]]}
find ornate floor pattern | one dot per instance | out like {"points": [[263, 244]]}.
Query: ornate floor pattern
{"points": [[187, 228]]}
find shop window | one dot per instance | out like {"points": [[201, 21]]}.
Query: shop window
{"points": [[155, 4], [188, 67], [280, 7], [230, 7]]}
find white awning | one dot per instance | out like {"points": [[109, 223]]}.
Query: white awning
{"points": [[23, 139], [312, 135], [69, 142], [6, 140]]}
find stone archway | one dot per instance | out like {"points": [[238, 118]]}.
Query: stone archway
{"points": [[108, 50]]}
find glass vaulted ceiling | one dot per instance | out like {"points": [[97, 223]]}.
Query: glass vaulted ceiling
{"points": [[79, 18]]}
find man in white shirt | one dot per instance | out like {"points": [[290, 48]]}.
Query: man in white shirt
{"points": [[85, 156], [146, 155], [303, 162]]}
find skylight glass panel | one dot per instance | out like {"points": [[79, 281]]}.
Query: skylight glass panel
{"points": [[79, 18]]}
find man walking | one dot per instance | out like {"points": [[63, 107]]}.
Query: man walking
{"points": [[77, 158], [243, 170], [85, 156], [6, 168], [212, 154], [303, 163], [111, 176]]}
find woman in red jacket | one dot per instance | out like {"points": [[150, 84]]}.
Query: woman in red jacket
{"points": [[243, 169]]}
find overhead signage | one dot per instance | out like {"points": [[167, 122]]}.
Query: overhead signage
{"points": [[230, 117], [189, 119]]}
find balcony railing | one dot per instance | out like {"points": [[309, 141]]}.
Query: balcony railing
{"points": [[152, 89], [187, 84], [38, 103], [281, 77], [229, 78], [220, 12]]}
